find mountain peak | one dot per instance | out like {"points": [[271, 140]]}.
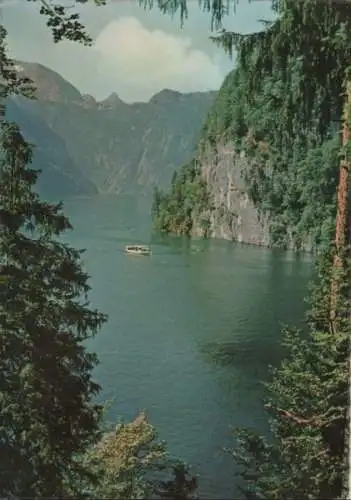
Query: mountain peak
{"points": [[50, 86], [166, 96], [89, 102], [116, 146], [111, 102]]}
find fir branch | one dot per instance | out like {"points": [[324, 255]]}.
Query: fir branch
{"points": [[317, 421]]}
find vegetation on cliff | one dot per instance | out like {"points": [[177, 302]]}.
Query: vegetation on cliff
{"points": [[174, 211], [293, 154]]}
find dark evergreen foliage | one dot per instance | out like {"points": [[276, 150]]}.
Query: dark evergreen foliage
{"points": [[47, 412], [48, 417], [308, 401]]}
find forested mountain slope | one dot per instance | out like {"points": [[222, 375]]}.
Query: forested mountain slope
{"points": [[250, 191]]}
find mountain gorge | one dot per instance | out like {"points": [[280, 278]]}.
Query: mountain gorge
{"points": [[84, 146]]}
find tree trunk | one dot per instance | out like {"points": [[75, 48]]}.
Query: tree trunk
{"points": [[342, 242], [342, 216], [342, 229]]}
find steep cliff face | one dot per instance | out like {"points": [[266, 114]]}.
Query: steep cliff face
{"points": [[223, 164], [233, 215], [209, 196]]}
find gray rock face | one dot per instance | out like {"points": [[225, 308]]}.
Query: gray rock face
{"points": [[233, 215]]}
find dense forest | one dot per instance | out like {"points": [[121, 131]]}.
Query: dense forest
{"points": [[290, 99]]}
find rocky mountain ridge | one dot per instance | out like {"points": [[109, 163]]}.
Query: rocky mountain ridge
{"points": [[85, 146]]}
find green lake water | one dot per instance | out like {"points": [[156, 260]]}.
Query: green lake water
{"points": [[191, 331]]}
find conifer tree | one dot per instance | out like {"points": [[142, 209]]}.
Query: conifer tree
{"points": [[308, 401], [48, 417]]}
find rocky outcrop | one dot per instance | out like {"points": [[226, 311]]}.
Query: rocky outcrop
{"points": [[232, 215]]}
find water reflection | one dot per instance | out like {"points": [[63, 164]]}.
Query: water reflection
{"points": [[242, 354], [256, 309]]}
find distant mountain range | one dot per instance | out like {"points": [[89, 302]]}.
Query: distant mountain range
{"points": [[85, 147]]}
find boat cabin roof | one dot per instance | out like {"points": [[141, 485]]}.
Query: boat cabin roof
{"points": [[137, 247]]}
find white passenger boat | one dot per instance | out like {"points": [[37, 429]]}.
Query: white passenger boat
{"points": [[137, 250]]}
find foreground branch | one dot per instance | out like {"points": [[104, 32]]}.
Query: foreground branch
{"points": [[317, 421]]}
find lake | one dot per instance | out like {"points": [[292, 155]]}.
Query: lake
{"points": [[192, 329]]}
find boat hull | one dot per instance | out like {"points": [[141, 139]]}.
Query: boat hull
{"points": [[135, 250]]}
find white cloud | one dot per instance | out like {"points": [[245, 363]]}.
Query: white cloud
{"points": [[135, 59], [139, 62]]}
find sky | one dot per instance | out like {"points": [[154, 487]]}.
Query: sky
{"points": [[136, 53]]}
